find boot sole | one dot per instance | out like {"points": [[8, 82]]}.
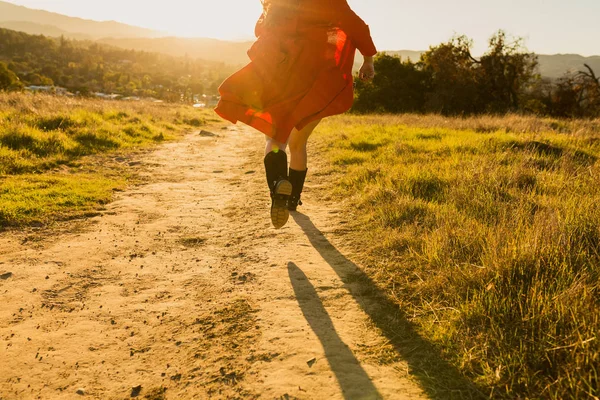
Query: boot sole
{"points": [[279, 211]]}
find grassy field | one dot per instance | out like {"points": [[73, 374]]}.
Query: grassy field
{"points": [[486, 232], [49, 149]]}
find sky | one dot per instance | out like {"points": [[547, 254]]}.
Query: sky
{"points": [[549, 26]]}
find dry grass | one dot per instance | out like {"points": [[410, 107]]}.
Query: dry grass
{"points": [[46, 141], [486, 231]]}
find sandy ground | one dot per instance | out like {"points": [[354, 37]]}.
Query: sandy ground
{"points": [[182, 290]]}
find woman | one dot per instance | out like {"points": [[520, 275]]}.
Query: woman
{"points": [[300, 72]]}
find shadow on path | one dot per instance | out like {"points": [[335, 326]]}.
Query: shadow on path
{"points": [[439, 379], [353, 379]]}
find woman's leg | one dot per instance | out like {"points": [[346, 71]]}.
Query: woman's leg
{"points": [[276, 168], [276, 163], [273, 145], [297, 143], [299, 162]]}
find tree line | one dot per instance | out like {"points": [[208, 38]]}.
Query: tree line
{"points": [[85, 67], [449, 80]]}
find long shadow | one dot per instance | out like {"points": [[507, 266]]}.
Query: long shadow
{"points": [[353, 379], [438, 378]]}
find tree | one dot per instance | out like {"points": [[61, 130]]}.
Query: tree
{"points": [[590, 84], [453, 77], [39, 80], [577, 95], [8, 79], [80, 65], [462, 84], [507, 69], [397, 87]]}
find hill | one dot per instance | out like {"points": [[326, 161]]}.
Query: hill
{"points": [[403, 54], [32, 28], [39, 22], [554, 66], [551, 66], [407, 54], [89, 67], [208, 49], [13, 14]]}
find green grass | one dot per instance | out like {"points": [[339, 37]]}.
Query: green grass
{"points": [[40, 135], [486, 231], [37, 199]]}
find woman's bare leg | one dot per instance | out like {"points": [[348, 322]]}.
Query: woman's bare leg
{"points": [[273, 145], [286, 189], [297, 144], [299, 163]]}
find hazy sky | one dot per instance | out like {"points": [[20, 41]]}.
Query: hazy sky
{"points": [[550, 26]]}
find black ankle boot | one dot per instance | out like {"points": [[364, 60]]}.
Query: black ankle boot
{"points": [[277, 177], [297, 179]]}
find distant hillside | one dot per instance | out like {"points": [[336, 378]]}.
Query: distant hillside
{"points": [[412, 55], [32, 28], [89, 67], [13, 14], [37, 22], [554, 66], [213, 49], [551, 66], [207, 49]]}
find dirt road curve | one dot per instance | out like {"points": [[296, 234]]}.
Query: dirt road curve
{"points": [[182, 290]]}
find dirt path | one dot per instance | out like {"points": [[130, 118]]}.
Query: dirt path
{"points": [[181, 290]]}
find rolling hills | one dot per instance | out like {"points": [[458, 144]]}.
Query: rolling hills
{"points": [[39, 22], [33, 28], [52, 24], [205, 48], [554, 66]]}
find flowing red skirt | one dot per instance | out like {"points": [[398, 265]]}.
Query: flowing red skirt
{"points": [[292, 80]]}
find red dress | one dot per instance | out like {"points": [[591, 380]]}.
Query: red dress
{"points": [[300, 69]]}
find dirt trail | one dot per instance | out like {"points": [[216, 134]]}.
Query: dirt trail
{"points": [[181, 290]]}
